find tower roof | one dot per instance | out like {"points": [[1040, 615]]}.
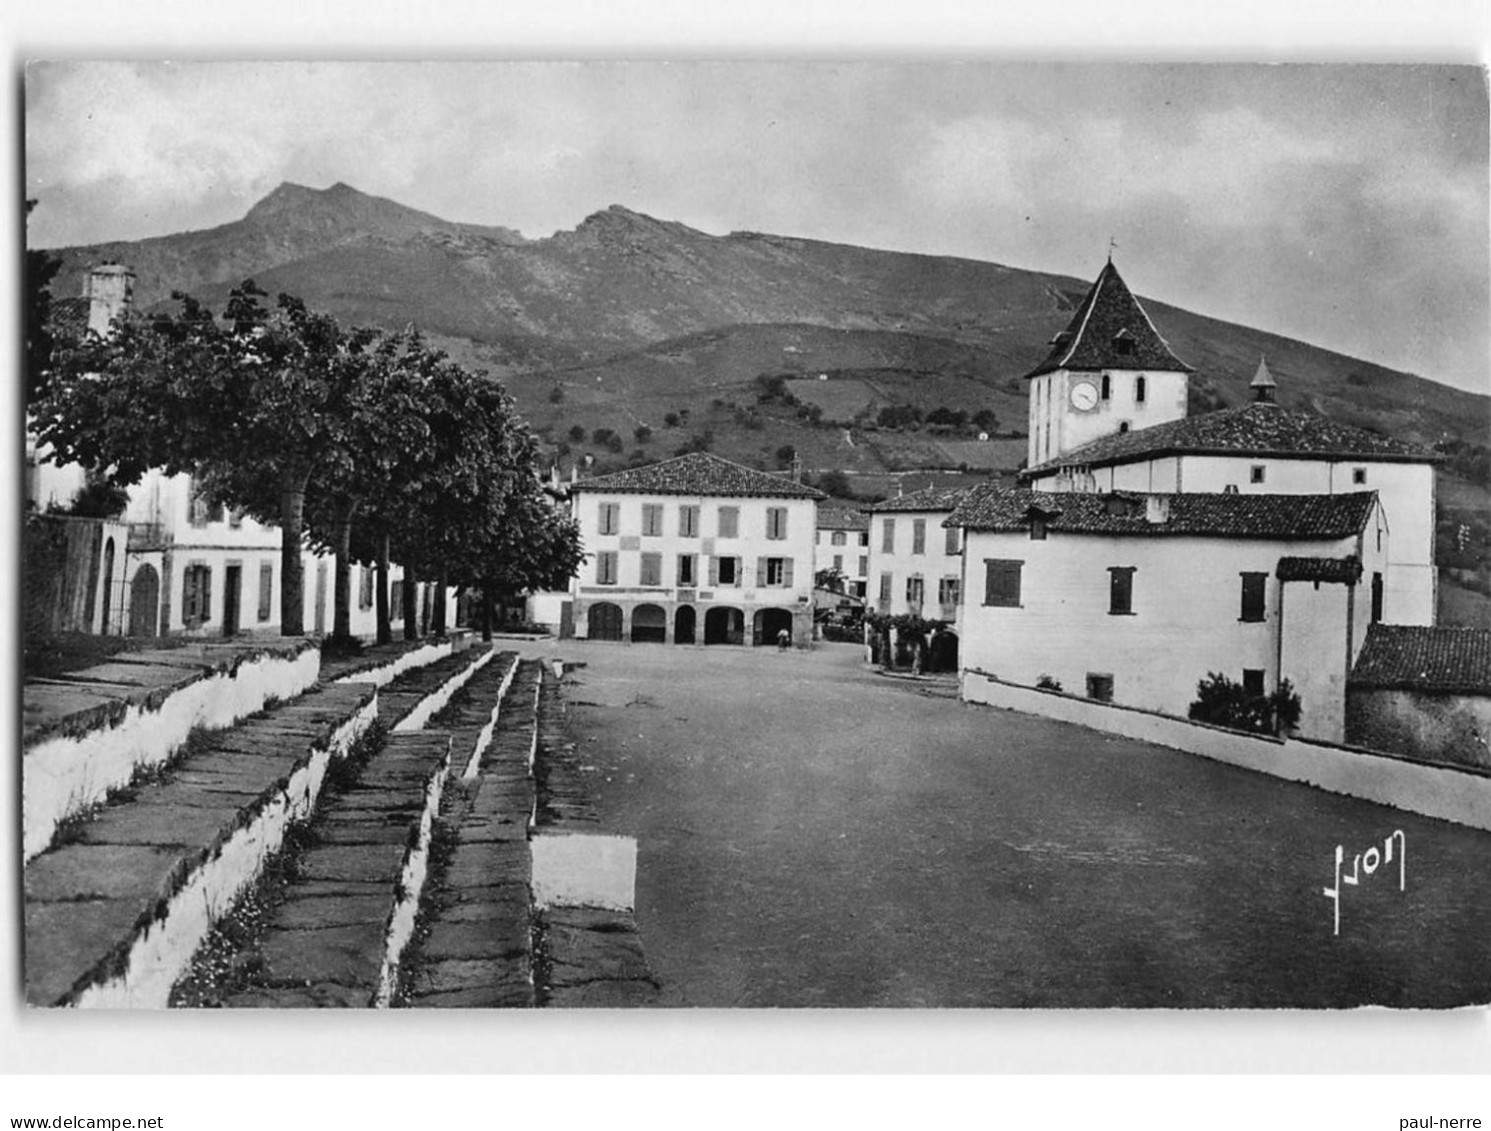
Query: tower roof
{"points": [[1110, 331]]}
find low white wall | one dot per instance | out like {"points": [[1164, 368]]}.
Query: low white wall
{"points": [[432, 704], [414, 658], [161, 953], [1436, 791], [64, 775]]}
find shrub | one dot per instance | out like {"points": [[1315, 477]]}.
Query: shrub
{"points": [[556, 395], [642, 433], [1222, 702], [1048, 682], [671, 419], [577, 434]]}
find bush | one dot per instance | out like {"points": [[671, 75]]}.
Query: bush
{"points": [[671, 419], [1047, 682], [577, 434], [556, 395], [642, 433], [1221, 702]]}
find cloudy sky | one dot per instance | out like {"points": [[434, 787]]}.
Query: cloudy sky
{"points": [[1346, 205]]}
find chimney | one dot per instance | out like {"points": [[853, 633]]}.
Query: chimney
{"points": [[1263, 384], [796, 468], [111, 288], [1157, 509]]}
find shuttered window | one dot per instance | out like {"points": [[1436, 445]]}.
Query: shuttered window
{"points": [[687, 570], [952, 545], [919, 536], [915, 588], [609, 518], [652, 568], [688, 522], [1120, 589], [365, 596], [1002, 582], [888, 536], [773, 572], [652, 519], [266, 589], [196, 595], [1253, 585], [729, 522], [947, 591], [605, 567], [776, 523]]}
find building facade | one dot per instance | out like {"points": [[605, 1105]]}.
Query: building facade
{"points": [[695, 550], [843, 543], [1136, 598], [916, 563]]}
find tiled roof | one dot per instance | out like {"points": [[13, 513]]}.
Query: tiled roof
{"points": [[699, 473], [1413, 658], [1287, 517], [69, 318], [1258, 429], [1110, 314], [927, 499], [1347, 571], [842, 518]]}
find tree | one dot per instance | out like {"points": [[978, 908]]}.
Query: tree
{"points": [[41, 268], [1221, 702], [259, 398], [785, 455], [577, 433], [831, 579]]}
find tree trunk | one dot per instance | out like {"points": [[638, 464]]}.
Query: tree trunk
{"points": [[486, 614], [292, 538], [411, 607], [385, 628], [341, 622], [440, 604]]}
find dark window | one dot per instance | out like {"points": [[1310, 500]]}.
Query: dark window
{"points": [[915, 588], [1107, 387], [1139, 389], [1358, 475], [1253, 683], [1376, 598], [609, 521], [1120, 589], [686, 575], [947, 591], [266, 589], [864, 537], [1123, 425], [196, 595], [1125, 346], [774, 571], [1256, 473], [1002, 582], [838, 538], [652, 568], [1100, 686], [1038, 528], [652, 519], [1252, 595], [727, 571], [605, 567]]}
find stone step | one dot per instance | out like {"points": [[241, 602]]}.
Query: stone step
{"points": [[381, 663], [413, 698], [338, 927], [115, 909], [475, 947]]}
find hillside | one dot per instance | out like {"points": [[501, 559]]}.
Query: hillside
{"points": [[626, 319]]}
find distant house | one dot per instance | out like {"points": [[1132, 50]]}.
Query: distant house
{"points": [[693, 550], [1424, 692], [1135, 598], [842, 542], [916, 564]]}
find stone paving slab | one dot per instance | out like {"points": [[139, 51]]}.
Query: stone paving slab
{"points": [[133, 853], [328, 954], [473, 984], [359, 863], [307, 912]]}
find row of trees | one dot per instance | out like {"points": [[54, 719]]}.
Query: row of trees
{"points": [[367, 443]]}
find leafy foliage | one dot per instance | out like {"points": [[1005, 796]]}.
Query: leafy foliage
{"points": [[1221, 702]]}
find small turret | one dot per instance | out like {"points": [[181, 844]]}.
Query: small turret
{"points": [[1263, 384]]}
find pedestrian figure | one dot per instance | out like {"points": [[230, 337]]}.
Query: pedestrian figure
{"points": [[784, 640]]}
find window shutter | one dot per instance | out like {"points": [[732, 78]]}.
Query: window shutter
{"points": [[206, 610], [952, 540], [787, 572], [189, 595], [760, 573], [266, 589], [714, 571], [1012, 586]]}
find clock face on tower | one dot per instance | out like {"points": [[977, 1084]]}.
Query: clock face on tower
{"points": [[1084, 396]]}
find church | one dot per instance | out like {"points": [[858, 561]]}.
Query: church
{"points": [[1145, 548]]}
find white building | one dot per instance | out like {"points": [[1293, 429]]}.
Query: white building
{"points": [[1108, 413], [843, 543], [916, 564], [693, 550], [1135, 598]]}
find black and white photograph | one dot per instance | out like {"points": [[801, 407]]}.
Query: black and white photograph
{"points": [[757, 534]]}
